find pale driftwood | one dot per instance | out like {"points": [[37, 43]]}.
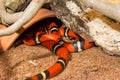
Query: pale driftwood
{"points": [[105, 36], [110, 8], [7, 17], [104, 31], [13, 5], [30, 11]]}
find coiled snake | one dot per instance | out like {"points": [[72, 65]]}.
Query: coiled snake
{"points": [[51, 37]]}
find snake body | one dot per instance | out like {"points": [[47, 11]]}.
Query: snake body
{"points": [[51, 38]]}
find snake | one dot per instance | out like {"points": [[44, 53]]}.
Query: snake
{"points": [[51, 37]]}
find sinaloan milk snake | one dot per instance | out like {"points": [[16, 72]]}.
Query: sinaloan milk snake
{"points": [[51, 37]]}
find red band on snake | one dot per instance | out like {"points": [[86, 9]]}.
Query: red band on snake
{"points": [[51, 38]]}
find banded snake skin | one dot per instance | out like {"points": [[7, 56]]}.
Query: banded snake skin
{"points": [[51, 37]]}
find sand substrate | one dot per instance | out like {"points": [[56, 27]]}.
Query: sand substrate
{"points": [[92, 64]]}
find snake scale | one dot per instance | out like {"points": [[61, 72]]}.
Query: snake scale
{"points": [[51, 37]]}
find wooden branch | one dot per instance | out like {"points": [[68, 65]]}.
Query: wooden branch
{"points": [[104, 31], [110, 8], [30, 11], [7, 17]]}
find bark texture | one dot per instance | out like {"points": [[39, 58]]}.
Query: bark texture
{"points": [[84, 20], [107, 7]]}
